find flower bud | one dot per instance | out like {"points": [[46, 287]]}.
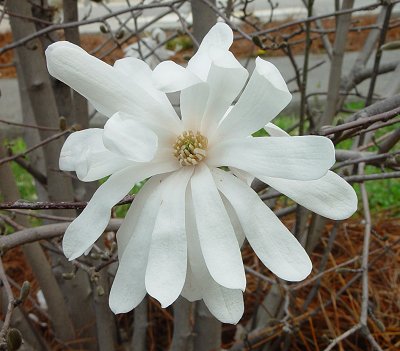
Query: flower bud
{"points": [[14, 339], [26, 287]]}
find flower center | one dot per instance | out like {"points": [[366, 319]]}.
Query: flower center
{"points": [[190, 148]]}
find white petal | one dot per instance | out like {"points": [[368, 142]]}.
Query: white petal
{"points": [[301, 158], [136, 212], [193, 104], [84, 153], [219, 38], [242, 175], [274, 131], [130, 139], [264, 97], [169, 77], [330, 196], [191, 290], [138, 71], [128, 288], [273, 243], [225, 304], [237, 227], [226, 79], [90, 224], [217, 238], [107, 88], [166, 269]]}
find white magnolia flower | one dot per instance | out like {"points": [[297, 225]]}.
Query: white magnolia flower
{"points": [[183, 232]]}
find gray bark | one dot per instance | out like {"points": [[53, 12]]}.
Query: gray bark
{"points": [[33, 68], [207, 329], [359, 65], [183, 325], [343, 23], [140, 323], [203, 18], [37, 260]]}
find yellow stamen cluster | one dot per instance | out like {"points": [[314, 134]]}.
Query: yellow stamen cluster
{"points": [[190, 148]]}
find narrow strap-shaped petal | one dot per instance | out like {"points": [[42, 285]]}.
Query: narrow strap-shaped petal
{"points": [[273, 243], [226, 79], [90, 224], [191, 290], [330, 196], [237, 227], [301, 158], [166, 269], [265, 95], [138, 71], [219, 38], [225, 304], [135, 211], [84, 153], [193, 104], [130, 139], [104, 86], [134, 238], [274, 131], [242, 175], [170, 77], [217, 238]]}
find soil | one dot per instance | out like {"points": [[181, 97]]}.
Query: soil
{"points": [[310, 332]]}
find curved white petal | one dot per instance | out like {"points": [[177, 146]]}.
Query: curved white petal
{"points": [[84, 153], [107, 88], [226, 79], [225, 304], [90, 224], [265, 95], [191, 290], [237, 227], [138, 71], [330, 196], [242, 175], [217, 238], [301, 158], [193, 104], [274, 131], [166, 268], [273, 243], [169, 77], [137, 212], [129, 138], [218, 39], [134, 239]]}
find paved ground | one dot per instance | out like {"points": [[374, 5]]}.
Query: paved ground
{"points": [[260, 8]]}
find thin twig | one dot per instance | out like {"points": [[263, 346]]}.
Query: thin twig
{"points": [[11, 303], [27, 151]]}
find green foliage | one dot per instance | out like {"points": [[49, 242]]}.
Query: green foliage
{"points": [[25, 181], [183, 42]]}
